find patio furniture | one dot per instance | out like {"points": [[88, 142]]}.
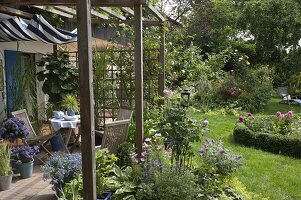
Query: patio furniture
{"points": [[59, 125], [32, 138], [116, 132], [286, 98]]}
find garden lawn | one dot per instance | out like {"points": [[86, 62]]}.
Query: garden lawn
{"points": [[268, 175]]}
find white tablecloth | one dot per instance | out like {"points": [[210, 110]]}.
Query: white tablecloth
{"points": [[57, 124]]}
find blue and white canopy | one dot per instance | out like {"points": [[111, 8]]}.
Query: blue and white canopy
{"points": [[38, 29]]}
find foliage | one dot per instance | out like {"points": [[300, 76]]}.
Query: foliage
{"points": [[123, 154], [275, 143], [69, 102], [180, 131], [13, 128], [105, 163], [59, 76], [24, 154], [216, 159], [5, 159], [73, 189], [61, 169], [173, 184]]}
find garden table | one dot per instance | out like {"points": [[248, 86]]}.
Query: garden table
{"points": [[70, 125]]}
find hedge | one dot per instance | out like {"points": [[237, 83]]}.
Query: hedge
{"points": [[278, 144]]}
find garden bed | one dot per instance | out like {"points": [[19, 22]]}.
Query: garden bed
{"points": [[271, 142]]}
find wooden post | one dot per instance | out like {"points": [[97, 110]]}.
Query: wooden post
{"points": [[86, 98], [138, 76], [161, 85]]}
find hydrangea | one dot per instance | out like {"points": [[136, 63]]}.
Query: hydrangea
{"points": [[13, 128], [62, 168], [24, 154]]}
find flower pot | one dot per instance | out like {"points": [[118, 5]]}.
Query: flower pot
{"points": [[26, 169], [70, 112], [5, 181], [15, 166], [105, 196], [57, 143]]}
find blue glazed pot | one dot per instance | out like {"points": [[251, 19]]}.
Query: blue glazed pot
{"points": [[70, 112], [26, 169], [106, 196], [56, 143]]}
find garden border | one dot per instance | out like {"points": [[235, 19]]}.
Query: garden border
{"points": [[278, 144]]}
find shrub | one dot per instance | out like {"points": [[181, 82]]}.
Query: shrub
{"points": [[61, 169], [275, 143], [217, 159]]}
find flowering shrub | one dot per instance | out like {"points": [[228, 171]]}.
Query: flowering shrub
{"points": [[62, 168], [13, 128], [218, 159], [24, 154], [283, 122]]}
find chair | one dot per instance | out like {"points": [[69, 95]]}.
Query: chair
{"points": [[32, 138], [285, 97], [116, 132]]}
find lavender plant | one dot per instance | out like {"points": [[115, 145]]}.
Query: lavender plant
{"points": [[218, 159], [13, 128]]}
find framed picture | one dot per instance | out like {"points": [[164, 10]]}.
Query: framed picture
{"points": [[1, 76]]}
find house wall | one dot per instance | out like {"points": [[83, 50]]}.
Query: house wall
{"points": [[35, 47]]}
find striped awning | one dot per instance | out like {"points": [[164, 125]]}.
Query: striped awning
{"points": [[38, 29]]}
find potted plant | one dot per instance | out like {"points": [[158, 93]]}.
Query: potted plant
{"points": [[25, 157], [70, 104], [12, 129], [5, 169]]}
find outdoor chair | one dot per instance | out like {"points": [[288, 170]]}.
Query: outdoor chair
{"points": [[286, 98], [116, 132], [32, 138]]}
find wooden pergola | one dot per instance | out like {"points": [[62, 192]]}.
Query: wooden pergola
{"points": [[83, 16]]}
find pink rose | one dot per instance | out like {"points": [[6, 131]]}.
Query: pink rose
{"points": [[205, 122], [167, 92], [290, 114], [250, 114], [241, 118], [278, 113]]}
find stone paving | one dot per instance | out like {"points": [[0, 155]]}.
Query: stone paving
{"points": [[33, 188]]}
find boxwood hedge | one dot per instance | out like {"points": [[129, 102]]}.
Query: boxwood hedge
{"points": [[274, 143]]}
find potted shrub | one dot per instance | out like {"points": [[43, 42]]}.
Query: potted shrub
{"points": [[25, 158], [70, 104], [12, 129], [61, 168], [5, 169]]}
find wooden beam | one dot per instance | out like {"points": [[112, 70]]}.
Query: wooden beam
{"points": [[127, 22], [53, 10], [97, 14], [156, 12], [127, 10], [112, 13], [86, 98], [107, 3], [161, 85], [66, 9], [15, 12], [138, 77]]}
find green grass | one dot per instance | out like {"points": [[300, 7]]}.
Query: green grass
{"points": [[269, 175]]}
